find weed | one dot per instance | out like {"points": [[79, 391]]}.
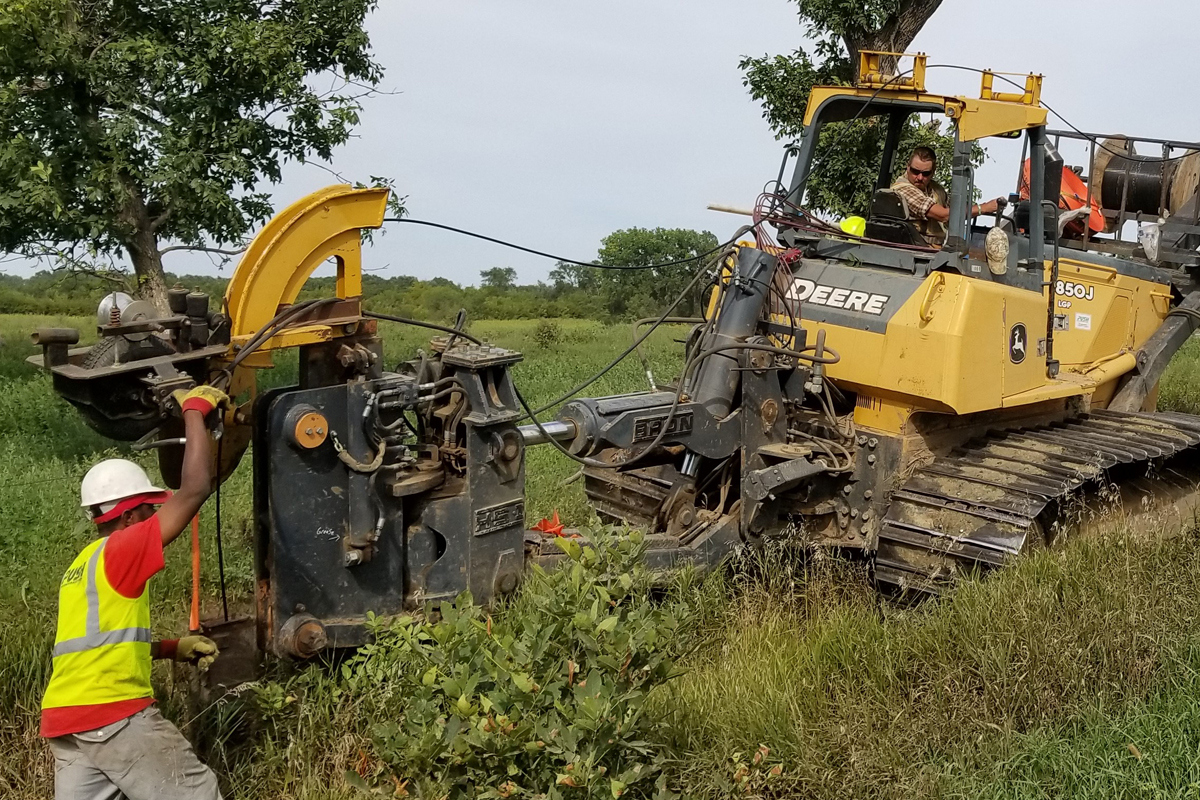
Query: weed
{"points": [[547, 333]]}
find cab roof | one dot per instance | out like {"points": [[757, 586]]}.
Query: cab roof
{"points": [[991, 114]]}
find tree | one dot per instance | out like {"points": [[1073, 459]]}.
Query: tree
{"points": [[631, 293], [499, 278], [566, 277], [126, 123], [848, 153]]}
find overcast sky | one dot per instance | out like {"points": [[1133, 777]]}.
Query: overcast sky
{"points": [[553, 124]]}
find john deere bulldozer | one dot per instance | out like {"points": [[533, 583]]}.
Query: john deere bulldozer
{"points": [[938, 408], [978, 388]]}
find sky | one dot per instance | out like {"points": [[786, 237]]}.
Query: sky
{"points": [[553, 124]]}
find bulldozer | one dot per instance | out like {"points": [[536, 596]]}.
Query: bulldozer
{"points": [[937, 410]]}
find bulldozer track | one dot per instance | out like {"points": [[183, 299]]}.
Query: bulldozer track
{"points": [[980, 506]]}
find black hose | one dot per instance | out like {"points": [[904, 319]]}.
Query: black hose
{"points": [[638, 345], [419, 324], [687, 370], [272, 327], [625, 353]]}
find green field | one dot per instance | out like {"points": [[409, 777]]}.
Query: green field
{"points": [[1075, 674]]}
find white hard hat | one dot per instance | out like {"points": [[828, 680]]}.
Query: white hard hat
{"points": [[110, 482]]}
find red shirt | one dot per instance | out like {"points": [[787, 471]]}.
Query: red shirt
{"points": [[131, 556]]}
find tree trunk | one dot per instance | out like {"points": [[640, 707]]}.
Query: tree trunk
{"points": [[896, 34], [142, 245], [147, 265]]}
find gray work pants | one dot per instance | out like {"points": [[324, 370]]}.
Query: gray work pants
{"points": [[143, 757]]}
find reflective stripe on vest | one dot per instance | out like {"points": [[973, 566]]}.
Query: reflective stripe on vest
{"points": [[102, 648], [94, 637]]}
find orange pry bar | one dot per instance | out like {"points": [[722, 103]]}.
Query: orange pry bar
{"points": [[194, 617]]}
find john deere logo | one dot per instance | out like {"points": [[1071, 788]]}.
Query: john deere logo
{"points": [[1017, 341]]}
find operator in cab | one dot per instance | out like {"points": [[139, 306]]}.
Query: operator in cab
{"points": [[926, 200], [107, 738]]}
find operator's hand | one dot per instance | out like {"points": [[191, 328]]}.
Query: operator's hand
{"points": [[202, 398], [199, 651], [992, 206]]}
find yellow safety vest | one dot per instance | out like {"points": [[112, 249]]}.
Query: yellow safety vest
{"points": [[102, 650]]}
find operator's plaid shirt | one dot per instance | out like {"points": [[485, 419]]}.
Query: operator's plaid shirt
{"points": [[919, 202]]}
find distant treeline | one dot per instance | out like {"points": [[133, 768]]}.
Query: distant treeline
{"points": [[437, 299], [582, 292]]}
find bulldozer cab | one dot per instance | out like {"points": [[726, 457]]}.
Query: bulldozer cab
{"points": [[1085, 206], [888, 100]]}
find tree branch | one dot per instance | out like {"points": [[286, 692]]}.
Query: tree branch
{"points": [[898, 32], [34, 86], [201, 249], [330, 170], [159, 221]]}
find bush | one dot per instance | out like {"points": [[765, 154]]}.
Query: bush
{"points": [[547, 696], [547, 333]]}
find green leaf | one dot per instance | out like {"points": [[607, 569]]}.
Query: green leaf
{"points": [[569, 546], [607, 624]]}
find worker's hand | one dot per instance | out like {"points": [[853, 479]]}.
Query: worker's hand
{"points": [[992, 206], [198, 650], [202, 398]]}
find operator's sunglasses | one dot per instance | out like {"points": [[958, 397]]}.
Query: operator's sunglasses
{"points": [[928, 173]]}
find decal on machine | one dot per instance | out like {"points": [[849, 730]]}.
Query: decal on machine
{"points": [[498, 517], [647, 428], [1076, 290], [806, 291], [1018, 340]]}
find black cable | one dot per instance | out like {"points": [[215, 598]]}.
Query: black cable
{"points": [[543, 254], [460, 322], [17, 485], [276, 323], [625, 353], [691, 365], [532, 415], [220, 548], [668, 321], [418, 323], [591, 462]]}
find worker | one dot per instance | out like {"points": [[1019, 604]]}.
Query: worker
{"points": [[107, 738], [926, 199]]}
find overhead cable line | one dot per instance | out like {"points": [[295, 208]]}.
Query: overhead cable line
{"points": [[543, 254]]}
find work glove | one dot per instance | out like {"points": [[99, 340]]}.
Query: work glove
{"points": [[201, 398], [197, 650]]}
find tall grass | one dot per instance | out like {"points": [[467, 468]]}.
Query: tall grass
{"points": [[1180, 386], [1013, 682]]}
